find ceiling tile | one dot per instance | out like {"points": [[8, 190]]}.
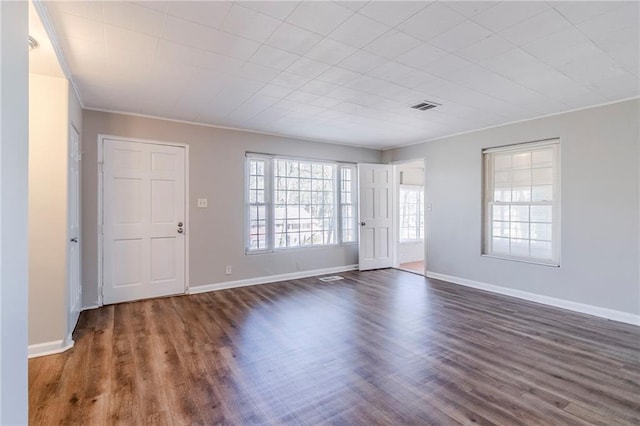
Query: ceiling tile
{"points": [[308, 67], [85, 9], [460, 36], [290, 81], [330, 51], [257, 72], [160, 6], [445, 65], [619, 86], [319, 17], [293, 39], [614, 20], [203, 37], [168, 51], [392, 13], [119, 40], [357, 31], [210, 13], [431, 21], [273, 58], [506, 14], [543, 24], [249, 23], [338, 76], [218, 62], [577, 12], [80, 28], [353, 5], [591, 68], [133, 17], [421, 56], [400, 74], [392, 44], [516, 64], [545, 46], [470, 8], [485, 48], [362, 62], [318, 87], [275, 91], [276, 9]]}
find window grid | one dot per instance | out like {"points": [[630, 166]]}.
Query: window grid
{"points": [[411, 213], [258, 205], [522, 221], [347, 204], [298, 203]]}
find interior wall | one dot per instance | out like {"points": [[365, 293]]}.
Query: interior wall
{"points": [[13, 212], [600, 206], [216, 172], [48, 163]]}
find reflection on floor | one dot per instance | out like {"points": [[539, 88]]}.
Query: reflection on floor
{"points": [[417, 267]]}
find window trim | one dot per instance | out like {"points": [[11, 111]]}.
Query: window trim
{"points": [[270, 205], [488, 194]]}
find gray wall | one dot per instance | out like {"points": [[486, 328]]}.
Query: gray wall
{"points": [[599, 206], [217, 173], [13, 212]]}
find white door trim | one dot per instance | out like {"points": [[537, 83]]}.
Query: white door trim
{"points": [[101, 139]]}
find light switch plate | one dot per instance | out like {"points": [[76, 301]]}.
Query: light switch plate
{"points": [[202, 203]]}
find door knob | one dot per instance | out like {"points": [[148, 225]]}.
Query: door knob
{"points": [[363, 223], [74, 240], [179, 223], [180, 230]]}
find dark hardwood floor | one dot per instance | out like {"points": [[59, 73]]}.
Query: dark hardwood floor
{"points": [[379, 347]]}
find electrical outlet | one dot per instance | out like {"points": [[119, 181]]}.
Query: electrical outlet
{"points": [[227, 270], [202, 203]]}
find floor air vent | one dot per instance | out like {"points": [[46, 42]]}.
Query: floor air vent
{"points": [[423, 106], [331, 278]]}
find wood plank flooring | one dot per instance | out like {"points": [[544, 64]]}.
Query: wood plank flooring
{"points": [[379, 347], [417, 267]]}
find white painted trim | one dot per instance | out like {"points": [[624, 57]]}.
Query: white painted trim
{"points": [[49, 348], [101, 139], [597, 311], [270, 279], [90, 307]]}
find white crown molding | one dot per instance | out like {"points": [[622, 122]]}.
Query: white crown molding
{"points": [[270, 279], [611, 314], [55, 42]]}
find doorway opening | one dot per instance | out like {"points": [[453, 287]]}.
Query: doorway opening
{"points": [[410, 223]]}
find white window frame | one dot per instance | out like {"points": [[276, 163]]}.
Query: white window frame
{"points": [[269, 202], [354, 202], [489, 201], [419, 189]]}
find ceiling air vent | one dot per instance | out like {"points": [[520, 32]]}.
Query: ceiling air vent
{"points": [[423, 106]]}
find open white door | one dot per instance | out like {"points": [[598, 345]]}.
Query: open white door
{"points": [[73, 246], [143, 220], [376, 216]]}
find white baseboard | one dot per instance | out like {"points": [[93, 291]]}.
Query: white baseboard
{"points": [[597, 311], [270, 279], [89, 307], [49, 348]]}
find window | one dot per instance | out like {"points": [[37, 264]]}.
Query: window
{"points": [[522, 202], [298, 203], [411, 213]]}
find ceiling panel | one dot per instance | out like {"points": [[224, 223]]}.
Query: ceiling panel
{"points": [[348, 72]]}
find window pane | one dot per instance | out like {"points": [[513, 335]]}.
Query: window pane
{"points": [[521, 187]]}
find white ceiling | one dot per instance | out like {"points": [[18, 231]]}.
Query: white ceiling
{"points": [[347, 72]]}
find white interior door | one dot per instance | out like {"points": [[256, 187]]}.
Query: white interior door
{"points": [[73, 246], [143, 220], [376, 216]]}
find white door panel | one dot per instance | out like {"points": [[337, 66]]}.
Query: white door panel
{"points": [[73, 271], [144, 220], [376, 220]]}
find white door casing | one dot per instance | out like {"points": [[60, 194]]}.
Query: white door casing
{"points": [[376, 216], [74, 288], [144, 221]]}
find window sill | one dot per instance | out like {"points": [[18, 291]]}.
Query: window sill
{"points": [[302, 248], [520, 260]]}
